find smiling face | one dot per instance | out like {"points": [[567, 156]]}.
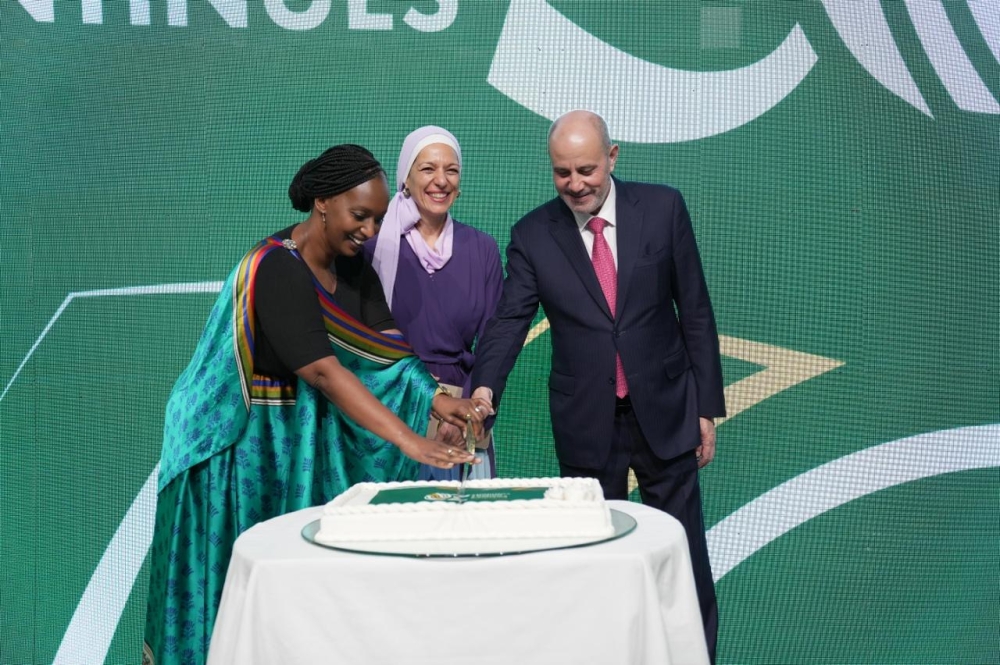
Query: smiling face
{"points": [[354, 216], [433, 181], [582, 162]]}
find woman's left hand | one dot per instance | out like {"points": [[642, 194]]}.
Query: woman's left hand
{"points": [[448, 433]]}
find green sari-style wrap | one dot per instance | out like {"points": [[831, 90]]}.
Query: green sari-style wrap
{"points": [[240, 448]]}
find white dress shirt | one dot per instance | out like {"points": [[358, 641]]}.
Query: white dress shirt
{"points": [[607, 213]]}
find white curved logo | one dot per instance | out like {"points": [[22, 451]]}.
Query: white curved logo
{"points": [[819, 490], [549, 65], [865, 32]]}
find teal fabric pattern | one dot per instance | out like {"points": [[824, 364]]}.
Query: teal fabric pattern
{"points": [[237, 452]]}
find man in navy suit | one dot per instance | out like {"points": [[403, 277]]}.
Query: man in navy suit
{"points": [[633, 385]]}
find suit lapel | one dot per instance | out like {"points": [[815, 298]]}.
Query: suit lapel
{"points": [[628, 236], [567, 235]]}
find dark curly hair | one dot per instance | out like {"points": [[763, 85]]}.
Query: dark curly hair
{"points": [[337, 170]]}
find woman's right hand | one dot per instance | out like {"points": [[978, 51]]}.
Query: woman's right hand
{"points": [[455, 410], [343, 388], [436, 453]]}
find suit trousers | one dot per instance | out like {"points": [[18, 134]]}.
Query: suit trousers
{"points": [[668, 485]]}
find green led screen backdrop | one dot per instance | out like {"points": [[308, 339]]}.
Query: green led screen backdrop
{"points": [[841, 161]]}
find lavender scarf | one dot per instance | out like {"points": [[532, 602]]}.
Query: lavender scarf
{"points": [[402, 217]]}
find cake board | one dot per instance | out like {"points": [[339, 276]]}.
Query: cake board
{"points": [[623, 524]]}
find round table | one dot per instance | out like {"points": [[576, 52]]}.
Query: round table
{"points": [[630, 600]]}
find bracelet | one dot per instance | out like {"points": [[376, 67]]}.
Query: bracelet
{"points": [[440, 391]]}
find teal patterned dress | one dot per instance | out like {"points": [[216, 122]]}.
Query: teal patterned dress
{"points": [[241, 447]]}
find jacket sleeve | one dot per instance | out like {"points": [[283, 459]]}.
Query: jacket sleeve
{"points": [[505, 333]]}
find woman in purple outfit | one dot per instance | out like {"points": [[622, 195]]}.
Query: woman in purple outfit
{"points": [[442, 279]]}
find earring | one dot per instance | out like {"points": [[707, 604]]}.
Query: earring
{"points": [[323, 215], [458, 193], [406, 191]]}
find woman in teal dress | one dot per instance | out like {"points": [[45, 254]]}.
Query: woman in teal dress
{"points": [[299, 388]]}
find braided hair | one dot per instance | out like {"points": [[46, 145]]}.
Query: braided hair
{"points": [[339, 169]]}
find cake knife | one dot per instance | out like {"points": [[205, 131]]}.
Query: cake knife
{"points": [[470, 445]]}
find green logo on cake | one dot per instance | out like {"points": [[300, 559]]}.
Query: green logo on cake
{"points": [[447, 493]]}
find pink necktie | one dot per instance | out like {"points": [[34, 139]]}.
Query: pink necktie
{"points": [[604, 266]]}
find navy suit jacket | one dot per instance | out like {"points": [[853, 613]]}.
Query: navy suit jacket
{"points": [[664, 328]]}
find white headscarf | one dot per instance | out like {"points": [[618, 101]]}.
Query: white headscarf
{"points": [[401, 218]]}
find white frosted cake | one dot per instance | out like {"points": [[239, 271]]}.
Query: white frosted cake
{"points": [[539, 510]]}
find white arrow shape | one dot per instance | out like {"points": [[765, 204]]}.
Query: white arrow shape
{"points": [[548, 64]]}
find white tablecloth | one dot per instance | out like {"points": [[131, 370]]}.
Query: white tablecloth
{"points": [[631, 600]]}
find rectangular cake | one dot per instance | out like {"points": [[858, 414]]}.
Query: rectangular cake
{"points": [[537, 509]]}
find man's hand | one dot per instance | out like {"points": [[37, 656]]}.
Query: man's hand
{"points": [[705, 453], [484, 397], [456, 411]]}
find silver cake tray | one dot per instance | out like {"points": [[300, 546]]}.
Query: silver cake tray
{"points": [[623, 524]]}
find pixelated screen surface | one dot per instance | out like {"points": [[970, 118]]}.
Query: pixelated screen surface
{"points": [[840, 162]]}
